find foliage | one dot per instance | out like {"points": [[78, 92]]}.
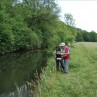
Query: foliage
{"points": [[83, 35], [79, 37], [93, 36], [69, 20], [6, 37], [31, 24], [86, 36]]}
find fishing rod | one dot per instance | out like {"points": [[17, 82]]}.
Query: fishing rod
{"points": [[33, 51]]}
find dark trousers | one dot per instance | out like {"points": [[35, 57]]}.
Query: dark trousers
{"points": [[57, 64]]}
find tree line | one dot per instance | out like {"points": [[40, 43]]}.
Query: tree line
{"points": [[83, 35], [32, 24]]}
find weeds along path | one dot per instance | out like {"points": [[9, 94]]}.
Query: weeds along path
{"points": [[81, 81]]}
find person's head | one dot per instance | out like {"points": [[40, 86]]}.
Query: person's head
{"points": [[62, 45], [57, 48]]}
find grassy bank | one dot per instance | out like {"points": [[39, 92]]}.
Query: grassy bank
{"points": [[81, 81]]}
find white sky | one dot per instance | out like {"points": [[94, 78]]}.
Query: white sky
{"points": [[83, 11]]}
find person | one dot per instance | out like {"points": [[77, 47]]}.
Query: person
{"points": [[57, 54], [66, 57]]}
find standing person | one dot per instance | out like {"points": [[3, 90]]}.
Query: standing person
{"points": [[66, 57], [58, 56]]}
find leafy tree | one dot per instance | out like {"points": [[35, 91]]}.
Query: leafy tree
{"points": [[86, 36], [43, 18], [6, 36], [93, 36], [79, 36], [72, 30], [14, 32], [69, 20]]}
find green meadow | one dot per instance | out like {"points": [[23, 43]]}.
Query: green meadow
{"points": [[81, 80]]}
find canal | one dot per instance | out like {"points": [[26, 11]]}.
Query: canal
{"points": [[19, 67]]}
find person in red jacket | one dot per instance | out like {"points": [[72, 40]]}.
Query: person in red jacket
{"points": [[66, 57]]}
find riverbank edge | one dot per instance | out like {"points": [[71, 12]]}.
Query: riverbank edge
{"points": [[45, 76], [4, 53]]}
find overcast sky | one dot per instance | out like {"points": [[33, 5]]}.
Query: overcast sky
{"points": [[83, 11]]}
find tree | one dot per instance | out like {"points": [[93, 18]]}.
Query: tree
{"points": [[44, 17], [6, 36], [69, 20], [79, 36], [14, 31], [86, 36], [93, 36]]}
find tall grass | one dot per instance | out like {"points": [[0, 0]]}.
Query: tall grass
{"points": [[81, 81]]}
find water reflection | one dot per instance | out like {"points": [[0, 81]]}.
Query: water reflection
{"points": [[16, 70]]}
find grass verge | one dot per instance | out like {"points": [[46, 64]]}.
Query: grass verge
{"points": [[81, 81]]}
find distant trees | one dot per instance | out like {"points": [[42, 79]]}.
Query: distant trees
{"points": [[79, 37], [93, 36], [86, 36], [83, 35]]}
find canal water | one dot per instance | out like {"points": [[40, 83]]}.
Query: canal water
{"points": [[18, 68]]}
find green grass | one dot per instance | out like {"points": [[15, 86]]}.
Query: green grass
{"points": [[81, 80]]}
